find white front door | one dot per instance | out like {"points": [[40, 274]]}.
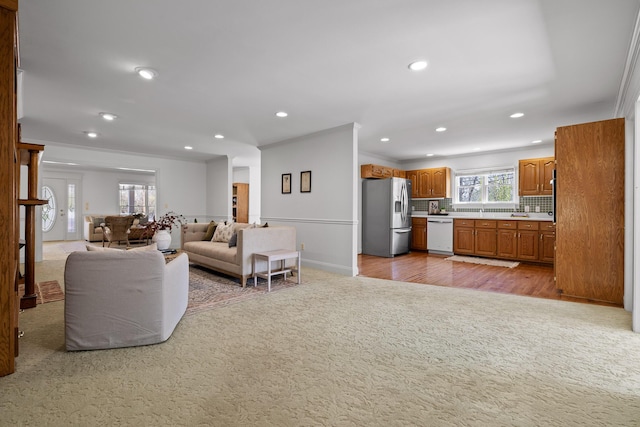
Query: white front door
{"points": [[59, 220]]}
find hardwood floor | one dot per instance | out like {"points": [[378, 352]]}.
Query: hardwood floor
{"points": [[533, 280]]}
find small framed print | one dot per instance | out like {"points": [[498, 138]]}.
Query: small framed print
{"points": [[305, 182], [434, 207], [286, 183]]}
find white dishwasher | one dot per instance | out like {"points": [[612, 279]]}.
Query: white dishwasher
{"points": [[440, 235]]}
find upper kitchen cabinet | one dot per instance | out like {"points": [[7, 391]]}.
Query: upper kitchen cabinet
{"points": [[377, 171], [535, 176], [413, 176], [433, 183]]}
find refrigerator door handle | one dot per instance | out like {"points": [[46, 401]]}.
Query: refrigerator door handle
{"points": [[404, 230]]}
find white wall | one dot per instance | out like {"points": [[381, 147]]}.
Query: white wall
{"points": [[326, 218], [219, 181], [479, 160]]}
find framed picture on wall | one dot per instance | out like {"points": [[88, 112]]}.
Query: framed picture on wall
{"points": [[305, 182], [286, 183]]}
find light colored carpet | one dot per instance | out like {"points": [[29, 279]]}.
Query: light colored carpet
{"points": [[484, 261], [342, 351]]}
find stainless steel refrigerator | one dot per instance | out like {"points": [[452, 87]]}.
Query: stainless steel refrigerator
{"points": [[386, 216]]}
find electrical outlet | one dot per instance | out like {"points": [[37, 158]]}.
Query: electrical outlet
{"points": [[526, 208], [302, 246], [537, 208]]}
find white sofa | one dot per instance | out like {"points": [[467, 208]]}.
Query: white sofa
{"points": [[235, 261], [117, 298]]}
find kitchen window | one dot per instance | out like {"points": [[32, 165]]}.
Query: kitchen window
{"points": [[494, 188]]}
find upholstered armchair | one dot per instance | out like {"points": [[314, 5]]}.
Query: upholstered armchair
{"points": [[116, 229], [116, 298]]}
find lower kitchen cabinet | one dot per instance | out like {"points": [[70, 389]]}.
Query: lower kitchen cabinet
{"points": [[486, 239], [419, 234], [463, 236], [505, 239], [547, 245], [528, 240]]}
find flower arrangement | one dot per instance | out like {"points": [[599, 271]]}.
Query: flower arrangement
{"points": [[167, 222]]}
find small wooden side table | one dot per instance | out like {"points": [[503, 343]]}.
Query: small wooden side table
{"points": [[281, 255]]}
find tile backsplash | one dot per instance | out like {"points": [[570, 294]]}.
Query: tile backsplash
{"points": [[544, 202]]}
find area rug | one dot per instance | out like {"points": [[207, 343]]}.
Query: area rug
{"points": [[49, 291], [208, 290], [484, 261]]}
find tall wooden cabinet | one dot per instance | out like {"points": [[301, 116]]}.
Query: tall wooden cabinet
{"points": [[590, 175], [240, 202], [9, 168]]}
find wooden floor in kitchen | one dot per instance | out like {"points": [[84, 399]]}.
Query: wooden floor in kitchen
{"points": [[535, 280]]}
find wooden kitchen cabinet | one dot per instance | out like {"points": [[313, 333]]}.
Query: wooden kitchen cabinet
{"points": [[590, 206], [413, 176], [431, 183], [463, 236], [547, 246], [535, 176], [528, 240], [486, 241], [378, 171], [507, 239], [419, 234]]}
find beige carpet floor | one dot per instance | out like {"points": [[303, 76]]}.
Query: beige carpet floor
{"points": [[342, 351]]}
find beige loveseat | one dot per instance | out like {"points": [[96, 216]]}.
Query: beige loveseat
{"points": [[235, 260], [115, 298]]}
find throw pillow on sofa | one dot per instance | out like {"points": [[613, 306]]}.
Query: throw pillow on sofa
{"points": [[223, 233], [210, 230], [233, 241]]}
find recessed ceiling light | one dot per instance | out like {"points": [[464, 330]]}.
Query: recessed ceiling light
{"points": [[147, 73], [282, 114], [91, 134], [441, 129], [476, 149], [136, 170], [108, 116], [430, 155], [516, 115], [418, 65], [537, 141], [218, 136], [188, 147], [384, 139], [59, 163]]}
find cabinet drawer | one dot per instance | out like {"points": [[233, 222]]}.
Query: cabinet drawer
{"points": [[463, 222], [482, 223], [507, 224], [527, 225], [419, 221], [547, 226]]}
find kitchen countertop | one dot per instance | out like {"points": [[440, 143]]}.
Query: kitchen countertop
{"points": [[533, 216]]}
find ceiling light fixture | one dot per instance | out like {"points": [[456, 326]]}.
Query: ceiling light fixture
{"points": [[537, 141], [188, 147], [147, 73], [91, 134], [418, 65], [108, 116], [282, 114], [441, 129], [430, 155], [218, 136], [384, 139], [59, 163], [516, 115]]}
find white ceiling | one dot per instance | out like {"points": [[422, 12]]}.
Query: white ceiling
{"points": [[228, 66]]}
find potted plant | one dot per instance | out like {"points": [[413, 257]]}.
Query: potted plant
{"points": [[161, 228]]}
